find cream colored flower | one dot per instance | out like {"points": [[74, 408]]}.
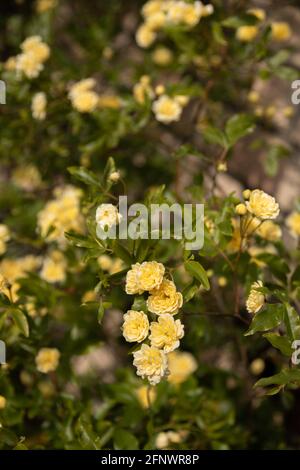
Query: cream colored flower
{"points": [[143, 90], [144, 277], [269, 231], [156, 21], [4, 238], [29, 65], [107, 215], [61, 215], [262, 205], [247, 33], [181, 366], [105, 262], [45, 5], [162, 56], [2, 402], [135, 327], [165, 439], [144, 395], [47, 360], [54, 267], [293, 223], [34, 53], [255, 299], [27, 177], [165, 299], [38, 106], [145, 36], [83, 98], [280, 31], [166, 333], [258, 12], [151, 7], [114, 177], [151, 363], [167, 109], [109, 101]]}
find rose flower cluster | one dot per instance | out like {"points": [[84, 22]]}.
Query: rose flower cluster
{"points": [[163, 334]]}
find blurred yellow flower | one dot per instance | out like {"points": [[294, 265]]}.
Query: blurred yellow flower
{"points": [[181, 366], [38, 106], [262, 205], [167, 109], [54, 267], [151, 363], [2, 402], [47, 360], [165, 299], [4, 238], [143, 90], [255, 299], [258, 12], [27, 177], [135, 326], [145, 36], [45, 5], [109, 101], [280, 31], [247, 33], [82, 97], [166, 333], [293, 223], [269, 231], [34, 53], [162, 56], [144, 394]]}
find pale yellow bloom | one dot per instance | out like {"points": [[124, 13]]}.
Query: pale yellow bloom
{"points": [[258, 12], [253, 96], [255, 299], [27, 177], [109, 101], [257, 366], [144, 395], [167, 109], [144, 277], [13, 269], [89, 296], [11, 64], [165, 299], [117, 266], [247, 33], [135, 327], [151, 7], [280, 31], [45, 5], [269, 231], [151, 363], [29, 65], [107, 215], [156, 21], [262, 205], [293, 223], [165, 439], [105, 262], [38, 106], [162, 56], [181, 366], [61, 214], [143, 90], [241, 209], [34, 53], [145, 36], [37, 47], [256, 251], [2, 402], [114, 177], [47, 360], [83, 98], [4, 238], [166, 333], [54, 267]]}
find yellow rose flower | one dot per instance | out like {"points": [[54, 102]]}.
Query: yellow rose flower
{"points": [[293, 223], [255, 299], [152, 7], [280, 31], [34, 45], [145, 36], [262, 205], [54, 267], [4, 237], [2, 402], [162, 56], [143, 90], [144, 277], [47, 360], [181, 366], [29, 65], [135, 327], [167, 109], [269, 231], [166, 333], [105, 262], [156, 21], [38, 106], [27, 177], [144, 394], [247, 33], [151, 363], [107, 215], [165, 299]]}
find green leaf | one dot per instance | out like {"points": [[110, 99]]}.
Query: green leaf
{"points": [[84, 175], [189, 292], [198, 272], [238, 126], [124, 440], [20, 320], [122, 252], [283, 378], [267, 319], [292, 322], [80, 240], [214, 136], [280, 342]]}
